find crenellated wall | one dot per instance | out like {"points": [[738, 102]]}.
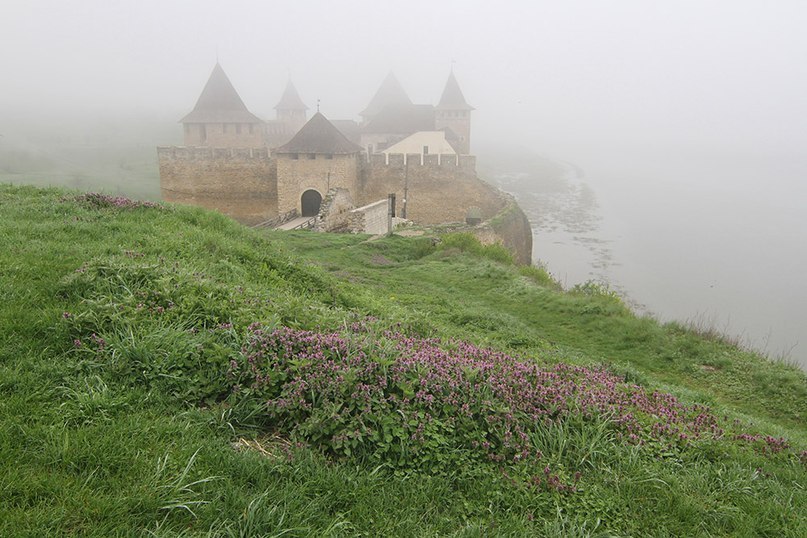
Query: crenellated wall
{"points": [[441, 189], [252, 186], [239, 182]]}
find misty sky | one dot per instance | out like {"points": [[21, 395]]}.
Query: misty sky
{"points": [[560, 73]]}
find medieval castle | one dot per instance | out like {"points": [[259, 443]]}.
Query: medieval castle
{"points": [[259, 170]]}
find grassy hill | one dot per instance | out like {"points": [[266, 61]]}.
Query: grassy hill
{"points": [[167, 372]]}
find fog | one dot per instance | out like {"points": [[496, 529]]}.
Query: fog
{"points": [[681, 124]]}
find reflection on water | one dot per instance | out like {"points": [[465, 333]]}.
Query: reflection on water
{"points": [[718, 248]]}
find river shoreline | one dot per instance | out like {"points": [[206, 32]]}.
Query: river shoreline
{"points": [[638, 239]]}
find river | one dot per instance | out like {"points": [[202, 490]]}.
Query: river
{"points": [[716, 239]]}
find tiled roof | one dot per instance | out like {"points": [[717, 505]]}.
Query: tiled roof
{"points": [[452, 97], [220, 103], [290, 100], [319, 136]]}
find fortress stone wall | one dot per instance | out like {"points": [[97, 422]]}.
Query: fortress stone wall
{"points": [[439, 190], [252, 186], [239, 182]]}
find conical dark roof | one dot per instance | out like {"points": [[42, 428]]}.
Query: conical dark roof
{"points": [[452, 97], [389, 93], [319, 136], [290, 100], [220, 103]]}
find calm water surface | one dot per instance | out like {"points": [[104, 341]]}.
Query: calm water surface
{"points": [[716, 240]]}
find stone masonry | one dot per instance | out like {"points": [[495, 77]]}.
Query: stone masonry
{"points": [[241, 183], [439, 190], [301, 172]]}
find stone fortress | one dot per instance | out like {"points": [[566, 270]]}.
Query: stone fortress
{"points": [[339, 173]]}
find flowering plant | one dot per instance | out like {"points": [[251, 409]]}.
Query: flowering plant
{"points": [[415, 402]]}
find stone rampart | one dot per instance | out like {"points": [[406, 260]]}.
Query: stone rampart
{"points": [[239, 182], [437, 188], [243, 183]]}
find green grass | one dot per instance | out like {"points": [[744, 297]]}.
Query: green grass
{"points": [[143, 440]]}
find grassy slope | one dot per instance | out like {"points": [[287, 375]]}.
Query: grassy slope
{"points": [[84, 449], [485, 302]]}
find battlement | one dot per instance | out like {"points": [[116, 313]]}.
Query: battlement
{"points": [[199, 153], [417, 160]]}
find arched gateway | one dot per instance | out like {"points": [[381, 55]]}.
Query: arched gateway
{"points": [[310, 202]]}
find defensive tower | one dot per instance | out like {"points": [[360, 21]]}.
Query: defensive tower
{"points": [[220, 118], [454, 113], [318, 158], [291, 110]]}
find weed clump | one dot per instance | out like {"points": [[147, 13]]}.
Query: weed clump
{"points": [[96, 200], [466, 242], [540, 276]]}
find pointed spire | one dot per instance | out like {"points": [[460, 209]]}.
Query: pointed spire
{"points": [[219, 102], [389, 93], [452, 97], [290, 100]]}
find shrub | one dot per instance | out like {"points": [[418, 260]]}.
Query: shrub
{"points": [[605, 300]]}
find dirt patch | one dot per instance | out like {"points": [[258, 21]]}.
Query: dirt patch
{"points": [[378, 259], [409, 233], [273, 446]]}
